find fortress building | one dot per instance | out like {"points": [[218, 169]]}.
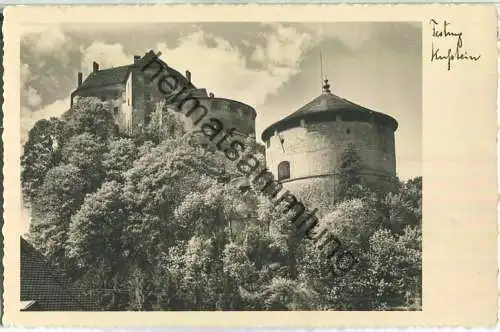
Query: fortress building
{"points": [[134, 99], [303, 149]]}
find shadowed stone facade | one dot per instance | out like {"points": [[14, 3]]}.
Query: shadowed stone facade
{"points": [[303, 149], [132, 92]]}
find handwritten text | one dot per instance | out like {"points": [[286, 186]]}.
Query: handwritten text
{"points": [[440, 31]]}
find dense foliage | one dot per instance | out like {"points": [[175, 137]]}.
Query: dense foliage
{"points": [[154, 222]]}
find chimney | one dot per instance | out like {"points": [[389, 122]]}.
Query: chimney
{"points": [[80, 78], [96, 67], [188, 76], [136, 58]]}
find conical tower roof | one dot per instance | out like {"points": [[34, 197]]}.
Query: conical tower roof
{"points": [[328, 106]]}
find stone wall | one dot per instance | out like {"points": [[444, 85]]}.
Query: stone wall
{"points": [[313, 151], [233, 114]]}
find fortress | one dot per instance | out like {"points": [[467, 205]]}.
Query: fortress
{"points": [[302, 150], [134, 100]]}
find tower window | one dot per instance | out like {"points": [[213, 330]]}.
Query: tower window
{"points": [[283, 170], [147, 116], [348, 131]]}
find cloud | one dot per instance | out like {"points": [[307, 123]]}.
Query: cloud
{"points": [[353, 35], [33, 98], [284, 46], [107, 55], [46, 65], [29, 117], [50, 59], [51, 56], [29, 95], [49, 40], [221, 68], [25, 73]]}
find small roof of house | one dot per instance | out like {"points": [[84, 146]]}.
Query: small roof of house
{"points": [[107, 76], [47, 288], [327, 104], [119, 75]]}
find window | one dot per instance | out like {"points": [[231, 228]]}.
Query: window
{"points": [[348, 131], [283, 170], [115, 110], [147, 116]]}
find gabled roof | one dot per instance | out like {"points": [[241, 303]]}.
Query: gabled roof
{"points": [[119, 75], [327, 104], [106, 77]]}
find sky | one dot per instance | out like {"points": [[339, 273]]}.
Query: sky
{"points": [[274, 67]]}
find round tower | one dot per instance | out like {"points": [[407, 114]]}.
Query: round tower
{"points": [[235, 116], [303, 149]]}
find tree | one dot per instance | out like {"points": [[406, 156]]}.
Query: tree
{"points": [[85, 151], [388, 269], [156, 221], [395, 268], [352, 222], [59, 197], [92, 116], [119, 158], [41, 153], [349, 180], [164, 124], [95, 237]]}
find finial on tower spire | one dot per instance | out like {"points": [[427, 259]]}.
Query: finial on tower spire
{"points": [[326, 86]]}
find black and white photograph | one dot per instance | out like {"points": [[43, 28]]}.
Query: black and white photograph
{"points": [[243, 165], [231, 166]]}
